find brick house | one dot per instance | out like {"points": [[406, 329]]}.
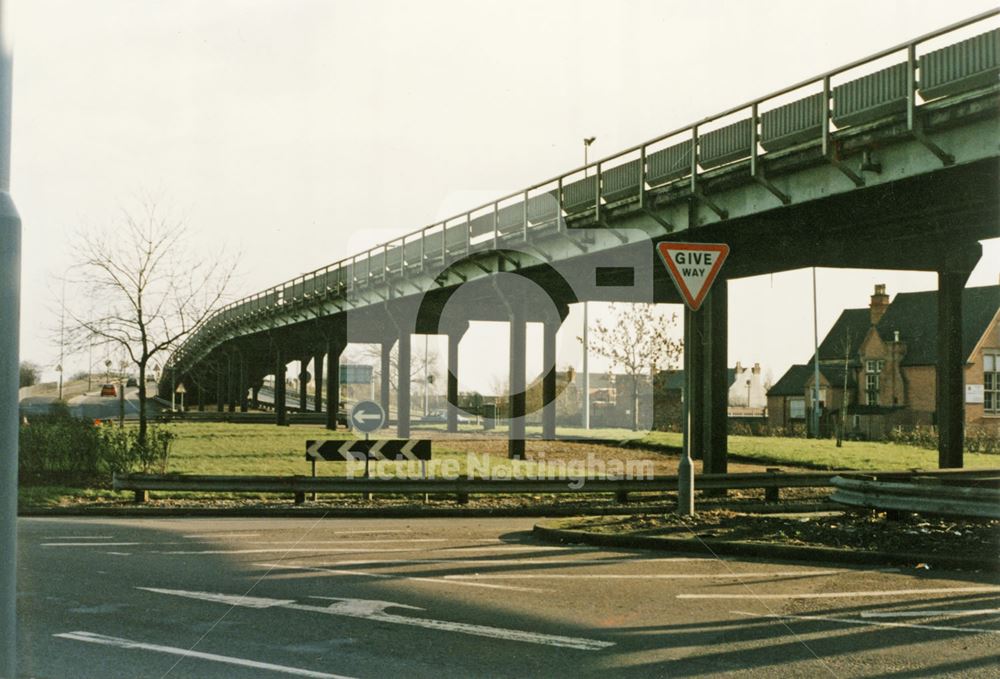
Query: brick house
{"points": [[879, 363]]}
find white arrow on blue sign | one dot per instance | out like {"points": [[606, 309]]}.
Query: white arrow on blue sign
{"points": [[367, 416]]}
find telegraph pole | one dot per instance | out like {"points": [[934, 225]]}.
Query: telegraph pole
{"points": [[10, 301]]}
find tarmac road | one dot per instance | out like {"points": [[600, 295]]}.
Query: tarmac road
{"points": [[465, 598]]}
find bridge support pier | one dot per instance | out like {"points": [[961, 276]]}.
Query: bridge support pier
{"points": [[303, 384], [230, 383], [549, 331], [696, 350], [241, 385], [220, 389], [385, 367], [715, 435], [950, 370], [403, 386], [280, 373], [515, 416], [318, 382], [255, 396], [201, 398], [453, 341], [333, 351]]}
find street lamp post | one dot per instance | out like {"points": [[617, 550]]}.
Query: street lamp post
{"points": [[587, 141]]}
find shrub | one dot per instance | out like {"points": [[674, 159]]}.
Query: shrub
{"points": [[59, 448]]}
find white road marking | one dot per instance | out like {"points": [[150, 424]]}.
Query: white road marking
{"points": [[118, 642], [79, 537], [929, 614], [202, 536], [872, 623], [434, 580], [842, 595], [375, 610], [265, 550], [119, 553], [91, 544], [636, 576]]}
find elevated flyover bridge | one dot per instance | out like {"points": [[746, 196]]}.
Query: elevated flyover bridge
{"points": [[889, 162]]}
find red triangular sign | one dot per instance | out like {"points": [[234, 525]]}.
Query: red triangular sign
{"points": [[693, 267]]}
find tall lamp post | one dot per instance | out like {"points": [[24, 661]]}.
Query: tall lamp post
{"points": [[587, 141]]}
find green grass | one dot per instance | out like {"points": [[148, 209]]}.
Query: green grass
{"points": [[824, 453], [249, 449]]}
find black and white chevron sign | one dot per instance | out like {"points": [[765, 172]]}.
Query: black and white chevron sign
{"points": [[359, 451]]}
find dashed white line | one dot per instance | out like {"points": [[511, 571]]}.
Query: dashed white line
{"points": [[929, 614], [872, 623], [843, 595], [636, 576], [390, 576], [118, 642], [90, 544]]}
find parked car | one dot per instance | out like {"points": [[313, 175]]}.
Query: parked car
{"points": [[108, 390], [131, 382]]}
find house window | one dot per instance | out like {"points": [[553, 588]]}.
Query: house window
{"points": [[873, 374], [797, 408], [991, 383]]}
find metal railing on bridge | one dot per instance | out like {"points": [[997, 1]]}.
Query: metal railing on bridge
{"points": [[831, 104]]}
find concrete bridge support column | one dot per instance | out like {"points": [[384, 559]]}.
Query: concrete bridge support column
{"points": [[453, 341], [241, 385], [201, 398], [403, 387], [231, 383], [255, 396], [518, 347], [715, 436], [696, 375], [549, 380], [385, 367], [333, 351], [318, 383], [220, 389], [280, 373], [950, 370], [303, 384]]}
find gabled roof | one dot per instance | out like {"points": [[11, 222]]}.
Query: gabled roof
{"points": [[792, 383], [850, 329], [914, 316], [834, 374]]}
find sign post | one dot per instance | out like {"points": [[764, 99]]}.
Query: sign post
{"points": [[693, 268]]}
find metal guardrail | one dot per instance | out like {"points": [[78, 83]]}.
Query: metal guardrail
{"points": [[919, 498], [631, 173], [463, 487]]}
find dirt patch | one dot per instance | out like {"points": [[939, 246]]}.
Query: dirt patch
{"points": [[856, 531]]}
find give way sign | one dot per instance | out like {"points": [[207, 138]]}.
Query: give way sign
{"points": [[693, 267]]}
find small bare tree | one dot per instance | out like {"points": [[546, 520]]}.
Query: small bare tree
{"points": [[638, 338], [154, 286]]}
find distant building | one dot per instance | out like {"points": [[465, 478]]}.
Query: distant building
{"points": [[879, 363]]}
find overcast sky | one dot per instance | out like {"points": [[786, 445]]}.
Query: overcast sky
{"points": [[297, 132]]}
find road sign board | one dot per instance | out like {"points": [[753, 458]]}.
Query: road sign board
{"points": [[359, 451], [367, 416], [693, 267], [181, 389]]}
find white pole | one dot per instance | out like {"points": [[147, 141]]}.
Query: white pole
{"points": [[586, 370]]}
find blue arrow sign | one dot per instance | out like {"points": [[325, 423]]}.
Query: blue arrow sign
{"points": [[367, 416]]}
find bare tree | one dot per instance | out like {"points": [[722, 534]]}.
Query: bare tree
{"points": [[639, 338], [372, 355], [155, 288]]}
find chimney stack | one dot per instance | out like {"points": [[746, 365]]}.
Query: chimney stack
{"points": [[756, 369], [880, 302]]}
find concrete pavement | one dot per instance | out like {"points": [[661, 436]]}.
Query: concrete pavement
{"points": [[466, 597]]}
